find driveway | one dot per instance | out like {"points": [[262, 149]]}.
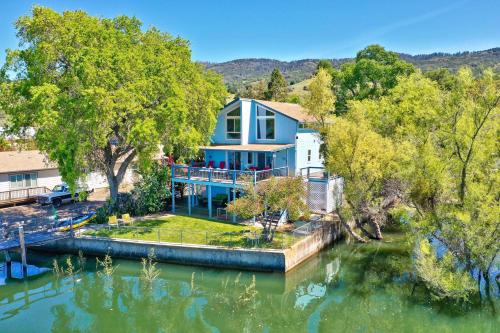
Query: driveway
{"points": [[38, 212]]}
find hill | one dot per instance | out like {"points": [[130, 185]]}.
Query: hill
{"points": [[243, 71]]}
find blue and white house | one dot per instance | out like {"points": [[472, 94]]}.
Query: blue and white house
{"points": [[257, 140]]}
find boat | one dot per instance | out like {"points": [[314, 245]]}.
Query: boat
{"points": [[75, 222]]}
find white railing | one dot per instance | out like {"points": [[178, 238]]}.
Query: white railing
{"points": [[225, 175], [24, 193]]}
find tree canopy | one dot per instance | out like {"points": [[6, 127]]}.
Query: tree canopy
{"points": [[371, 75], [102, 92], [277, 88]]}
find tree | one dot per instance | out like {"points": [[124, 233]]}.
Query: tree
{"points": [[373, 73], [102, 93], [326, 65], [255, 90], [365, 160], [270, 197], [277, 89], [448, 161], [319, 101]]}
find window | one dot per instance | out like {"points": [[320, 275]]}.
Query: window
{"points": [[233, 124], [23, 180], [309, 153], [265, 124], [250, 158]]}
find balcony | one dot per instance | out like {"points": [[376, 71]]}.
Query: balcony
{"points": [[223, 177]]}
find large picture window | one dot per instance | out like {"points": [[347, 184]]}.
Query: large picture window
{"points": [[23, 180], [233, 124], [265, 124]]}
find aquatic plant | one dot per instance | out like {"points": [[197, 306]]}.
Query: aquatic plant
{"points": [[70, 268], [249, 294], [58, 270], [149, 272], [106, 265]]}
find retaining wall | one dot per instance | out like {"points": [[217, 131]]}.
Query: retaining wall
{"points": [[248, 259]]}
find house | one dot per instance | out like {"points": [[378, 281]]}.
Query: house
{"points": [[25, 174], [258, 139]]}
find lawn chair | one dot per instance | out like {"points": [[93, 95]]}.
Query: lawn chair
{"points": [[126, 219], [210, 164], [112, 221], [222, 165]]}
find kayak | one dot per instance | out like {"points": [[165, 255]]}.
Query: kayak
{"points": [[75, 222]]}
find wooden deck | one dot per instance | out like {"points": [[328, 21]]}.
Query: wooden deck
{"points": [[21, 196]]}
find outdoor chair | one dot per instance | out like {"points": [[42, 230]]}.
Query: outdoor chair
{"points": [[126, 219], [210, 164], [222, 165], [112, 221]]}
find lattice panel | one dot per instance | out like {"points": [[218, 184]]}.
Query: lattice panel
{"points": [[316, 196]]}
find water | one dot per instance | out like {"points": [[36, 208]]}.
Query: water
{"points": [[348, 288]]}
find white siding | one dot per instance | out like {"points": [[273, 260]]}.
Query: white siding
{"points": [[303, 143]]}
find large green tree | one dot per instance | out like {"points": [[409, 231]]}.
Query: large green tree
{"points": [[277, 88], [448, 139], [372, 74], [102, 92]]}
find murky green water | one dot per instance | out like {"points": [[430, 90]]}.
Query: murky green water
{"points": [[345, 289]]}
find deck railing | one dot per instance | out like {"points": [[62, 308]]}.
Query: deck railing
{"points": [[22, 194], [225, 175]]}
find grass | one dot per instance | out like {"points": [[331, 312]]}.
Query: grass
{"points": [[192, 230]]}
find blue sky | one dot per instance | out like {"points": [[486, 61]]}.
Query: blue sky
{"points": [[287, 30]]}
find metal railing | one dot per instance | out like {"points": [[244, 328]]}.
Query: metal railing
{"points": [[24, 193], [225, 175], [248, 238]]}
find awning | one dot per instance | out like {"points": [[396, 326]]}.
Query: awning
{"points": [[249, 147]]}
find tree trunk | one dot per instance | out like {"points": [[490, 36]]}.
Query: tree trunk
{"points": [[378, 232], [350, 230], [113, 187]]}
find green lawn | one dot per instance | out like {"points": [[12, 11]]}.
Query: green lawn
{"points": [[191, 230]]}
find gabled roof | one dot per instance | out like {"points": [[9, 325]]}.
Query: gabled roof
{"points": [[294, 111]]}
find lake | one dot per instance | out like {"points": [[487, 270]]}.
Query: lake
{"points": [[347, 288]]}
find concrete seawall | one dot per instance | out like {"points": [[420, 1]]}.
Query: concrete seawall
{"points": [[204, 255]]}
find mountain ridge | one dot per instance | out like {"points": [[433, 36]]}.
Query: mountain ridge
{"points": [[243, 71]]}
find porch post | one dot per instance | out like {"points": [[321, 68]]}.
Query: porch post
{"points": [[287, 167], [234, 198], [209, 193], [173, 196], [189, 198]]}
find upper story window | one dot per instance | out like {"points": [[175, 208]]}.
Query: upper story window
{"points": [[233, 124], [23, 180], [265, 124]]}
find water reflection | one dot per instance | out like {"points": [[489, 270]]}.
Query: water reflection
{"points": [[345, 289]]}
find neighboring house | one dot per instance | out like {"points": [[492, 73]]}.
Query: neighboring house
{"points": [[258, 139], [24, 174]]}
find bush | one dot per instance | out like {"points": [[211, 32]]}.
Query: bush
{"points": [[151, 193]]}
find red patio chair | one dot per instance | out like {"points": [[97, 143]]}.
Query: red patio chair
{"points": [[210, 164], [222, 165]]}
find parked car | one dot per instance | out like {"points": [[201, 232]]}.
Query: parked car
{"points": [[61, 194]]}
